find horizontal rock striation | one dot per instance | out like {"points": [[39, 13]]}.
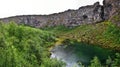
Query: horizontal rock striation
{"points": [[84, 15]]}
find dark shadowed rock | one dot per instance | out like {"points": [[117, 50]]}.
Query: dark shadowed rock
{"points": [[111, 7]]}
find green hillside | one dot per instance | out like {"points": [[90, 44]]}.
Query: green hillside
{"points": [[22, 46], [105, 34]]}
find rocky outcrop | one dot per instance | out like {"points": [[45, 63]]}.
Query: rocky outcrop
{"points": [[84, 15], [112, 11], [111, 7]]}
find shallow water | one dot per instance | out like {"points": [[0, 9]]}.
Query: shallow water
{"points": [[72, 55]]}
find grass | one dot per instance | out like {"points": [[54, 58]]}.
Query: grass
{"points": [[92, 34]]}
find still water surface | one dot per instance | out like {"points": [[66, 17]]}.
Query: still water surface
{"points": [[75, 54]]}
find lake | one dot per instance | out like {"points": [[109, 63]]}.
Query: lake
{"points": [[77, 53]]}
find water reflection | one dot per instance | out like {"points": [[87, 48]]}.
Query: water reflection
{"points": [[73, 54]]}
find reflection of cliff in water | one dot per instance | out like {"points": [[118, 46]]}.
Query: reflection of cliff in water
{"points": [[73, 55]]}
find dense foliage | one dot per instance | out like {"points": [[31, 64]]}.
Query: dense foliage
{"points": [[22, 46], [113, 33], [105, 34], [109, 62], [97, 57]]}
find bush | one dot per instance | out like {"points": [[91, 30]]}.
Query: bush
{"points": [[22, 46]]}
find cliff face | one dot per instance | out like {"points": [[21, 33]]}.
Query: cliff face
{"points": [[84, 15], [111, 7]]}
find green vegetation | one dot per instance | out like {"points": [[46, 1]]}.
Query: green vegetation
{"points": [[116, 17], [96, 56], [95, 62], [105, 34], [109, 62], [113, 33], [85, 50], [22, 46]]}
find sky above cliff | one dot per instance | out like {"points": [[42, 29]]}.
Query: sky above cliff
{"points": [[30, 7]]}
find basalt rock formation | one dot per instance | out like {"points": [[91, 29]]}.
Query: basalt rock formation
{"points": [[111, 7], [112, 10], [84, 15]]}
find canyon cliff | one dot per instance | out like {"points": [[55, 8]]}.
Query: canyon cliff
{"points": [[89, 14]]}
